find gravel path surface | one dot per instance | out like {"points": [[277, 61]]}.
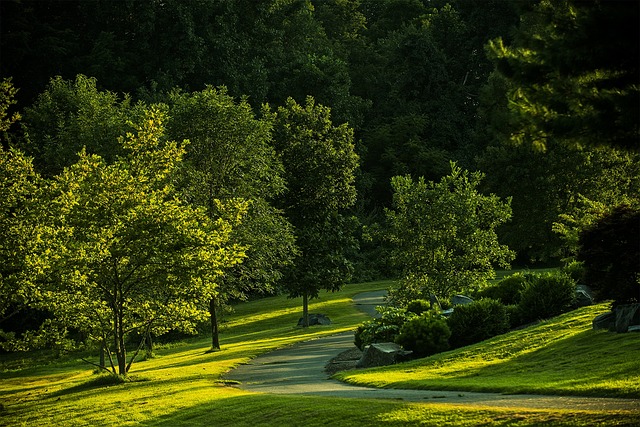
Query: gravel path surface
{"points": [[300, 370]]}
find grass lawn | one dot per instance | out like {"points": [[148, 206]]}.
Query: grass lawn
{"points": [[182, 385], [562, 355]]}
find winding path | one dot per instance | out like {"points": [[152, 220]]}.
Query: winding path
{"points": [[299, 370]]}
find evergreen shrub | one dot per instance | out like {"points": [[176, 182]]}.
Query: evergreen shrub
{"points": [[418, 306], [425, 335], [477, 322], [546, 295], [507, 290], [382, 329]]}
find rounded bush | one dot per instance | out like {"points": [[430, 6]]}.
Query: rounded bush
{"points": [[418, 306], [425, 335], [477, 322], [546, 295], [382, 329], [507, 290]]}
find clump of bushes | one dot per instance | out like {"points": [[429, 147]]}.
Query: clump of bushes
{"points": [[425, 335], [545, 296], [507, 290], [384, 328], [477, 322], [419, 306]]}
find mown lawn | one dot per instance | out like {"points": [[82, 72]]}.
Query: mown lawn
{"points": [[182, 386], [563, 355]]}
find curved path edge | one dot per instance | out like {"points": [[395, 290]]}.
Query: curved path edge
{"points": [[300, 370]]}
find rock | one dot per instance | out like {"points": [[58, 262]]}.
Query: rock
{"points": [[583, 296], [627, 315], [634, 328], [461, 300], [316, 319], [605, 321], [382, 354]]}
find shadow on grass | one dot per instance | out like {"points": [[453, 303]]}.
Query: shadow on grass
{"points": [[98, 382]]}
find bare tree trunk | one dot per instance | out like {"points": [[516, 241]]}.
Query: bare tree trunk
{"points": [[215, 338]]}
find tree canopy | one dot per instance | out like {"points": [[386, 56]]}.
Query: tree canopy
{"points": [[119, 254]]}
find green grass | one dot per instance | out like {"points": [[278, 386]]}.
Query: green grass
{"points": [[183, 385], [560, 356]]}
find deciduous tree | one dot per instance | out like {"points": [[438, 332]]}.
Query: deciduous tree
{"points": [[444, 235], [118, 253], [320, 164]]}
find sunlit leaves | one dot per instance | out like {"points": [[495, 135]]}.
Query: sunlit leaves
{"points": [[121, 253], [443, 234]]}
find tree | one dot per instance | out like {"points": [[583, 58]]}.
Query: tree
{"points": [[444, 235], [574, 71], [230, 157], [610, 250], [19, 185], [70, 115], [118, 253], [320, 164]]}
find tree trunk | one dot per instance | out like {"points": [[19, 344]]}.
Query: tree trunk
{"points": [[215, 339], [121, 351], [103, 348], [305, 310]]}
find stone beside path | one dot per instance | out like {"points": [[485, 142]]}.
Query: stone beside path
{"points": [[300, 370]]}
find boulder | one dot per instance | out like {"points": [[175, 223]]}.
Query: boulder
{"points": [[382, 354], [461, 300], [627, 315], [623, 318], [605, 321], [316, 319], [583, 296]]}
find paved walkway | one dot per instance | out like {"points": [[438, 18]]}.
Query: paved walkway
{"points": [[299, 370]]}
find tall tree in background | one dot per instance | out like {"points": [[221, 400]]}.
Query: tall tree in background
{"points": [[320, 164], [230, 157], [556, 115], [74, 114], [118, 254], [573, 68]]}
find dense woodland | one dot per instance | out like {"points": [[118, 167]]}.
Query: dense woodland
{"points": [[163, 158]]}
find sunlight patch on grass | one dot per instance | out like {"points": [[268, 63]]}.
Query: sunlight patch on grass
{"points": [[560, 356]]}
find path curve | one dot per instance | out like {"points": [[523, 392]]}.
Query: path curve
{"points": [[300, 370]]}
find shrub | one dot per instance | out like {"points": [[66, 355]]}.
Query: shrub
{"points": [[576, 271], [507, 291], [382, 329], [418, 306], [477, 322], [425, 335], [610, 250], [546, 295]]}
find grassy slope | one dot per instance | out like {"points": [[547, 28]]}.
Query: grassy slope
{"points": [[559, 356], [182, 385]]}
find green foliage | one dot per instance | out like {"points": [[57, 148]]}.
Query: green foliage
{"points": [[478, 321], [20, 185], [610, 250], [71, 115], [320, 165], [425, 335], [575, 78], [117, 253], [384, 328], [444, 235], [507, 290], [546, 295], [7, 99], [418, 306]]}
